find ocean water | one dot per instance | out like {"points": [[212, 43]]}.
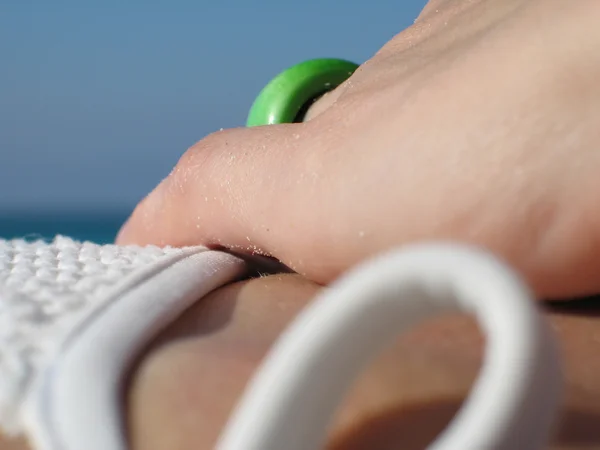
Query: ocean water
{"points": [[100, 228]]}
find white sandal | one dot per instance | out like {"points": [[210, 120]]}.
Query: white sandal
{"points": [[73, 317], [512, 406]]}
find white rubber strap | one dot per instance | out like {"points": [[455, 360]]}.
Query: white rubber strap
{"points": [[76, 403], [291, 400]]}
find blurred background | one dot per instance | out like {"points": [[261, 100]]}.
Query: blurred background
{"points": [[98, 100]]}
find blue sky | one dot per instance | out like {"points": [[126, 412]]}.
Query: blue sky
{"points": [[99, 99]]}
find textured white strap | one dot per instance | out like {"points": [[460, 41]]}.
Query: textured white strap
{"points": [[73, 316], [512, 406]]}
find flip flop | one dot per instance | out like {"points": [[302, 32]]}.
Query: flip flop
{"points": [[75, 317]]}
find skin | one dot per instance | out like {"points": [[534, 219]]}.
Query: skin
{"points": [[187, 383], [480, 123]]}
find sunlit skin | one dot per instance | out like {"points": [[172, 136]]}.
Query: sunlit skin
{"points": [[480, 123]]}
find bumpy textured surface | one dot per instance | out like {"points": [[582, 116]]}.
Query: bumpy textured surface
{"points": [[44, 289]]}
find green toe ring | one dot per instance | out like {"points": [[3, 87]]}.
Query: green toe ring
{"points": [[287, 97]]}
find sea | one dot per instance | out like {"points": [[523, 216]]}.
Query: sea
{"points": [[100, 228]]}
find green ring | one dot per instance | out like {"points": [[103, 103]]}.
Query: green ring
{"points": [[290, 92]]}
